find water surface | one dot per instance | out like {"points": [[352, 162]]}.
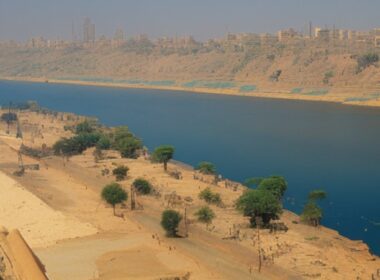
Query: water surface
{"points": [[313, 144]]}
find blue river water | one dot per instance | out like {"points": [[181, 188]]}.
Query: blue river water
{"points": [[313, 144]]}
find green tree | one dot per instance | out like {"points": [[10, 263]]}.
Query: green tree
{"points": [[163, 154], [210, 197], [169, 221], [252, 182], [142, 186], [104, 142], [259, 203], [366, 60], [205, 215], [120, 172], [84, 127], [129, 147], [114, 194], [275, 184], [312, 213], [207, 168], [126, 142]]}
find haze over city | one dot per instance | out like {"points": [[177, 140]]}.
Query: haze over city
{"points": [[189, 139], [21, 19]]}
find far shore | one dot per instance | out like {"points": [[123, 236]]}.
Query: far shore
{"points": [[334, 97]]}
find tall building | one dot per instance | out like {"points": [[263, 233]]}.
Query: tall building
{"points": [[88, 31]]}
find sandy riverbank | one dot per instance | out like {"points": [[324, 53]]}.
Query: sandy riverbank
{"points": [[336, 96], [125, 247]]}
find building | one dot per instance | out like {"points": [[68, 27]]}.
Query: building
{"points": [[376, 37], [286, 35], [343, 35], [322, 34], [88, 31]]}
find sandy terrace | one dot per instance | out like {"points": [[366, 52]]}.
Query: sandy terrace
{"points": [[64, 199]]}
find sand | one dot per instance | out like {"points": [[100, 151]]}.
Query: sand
{"points": [[339, 95], [64, 198], [38, 223]]}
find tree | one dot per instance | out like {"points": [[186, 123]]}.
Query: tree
{"points": [[205, 215], [104, 143], [275, 184], [207, 168], [259, 203], [170, 221], [210, 197], [114, 194], [120, 172], [252, 182], [126, 143], [312, 214], [163, 154], [142, 186], [366, 60], [84, 127], [9, 117]]}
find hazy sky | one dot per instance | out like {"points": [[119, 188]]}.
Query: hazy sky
{"points": [[21, 19]]}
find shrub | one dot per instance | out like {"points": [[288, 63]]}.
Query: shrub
{"points": [[205, 167], [75, 145], [210, 197], [259, 204], [142, 186], [129, 147], [205, 215], [328, 76], [120, 172], [9, 117], [84, 127], [104, 142], [114, 194], [126, 143], [170, 221], [366, 60]]}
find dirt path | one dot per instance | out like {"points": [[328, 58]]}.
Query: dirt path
{"points": [[227, 257]]}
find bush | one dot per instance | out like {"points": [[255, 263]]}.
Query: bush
{"points": [[9, 117], [210, 197], [114, 194], [129, 147], [75, 145], [259, 204], [328, 76], [205, 167], [170, 221], [142, 186], [104, 142], [205, 215], [84, 127], [126, 143], [366, 60], [120, 172]]}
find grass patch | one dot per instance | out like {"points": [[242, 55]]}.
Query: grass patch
{"points": [[297, 90], [247, 88], [318, 92], [311, 238]]}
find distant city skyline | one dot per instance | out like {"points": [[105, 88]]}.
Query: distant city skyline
{"points": [[22, 19]]}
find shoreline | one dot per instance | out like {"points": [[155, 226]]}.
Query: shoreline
{"points": [[333, 98]]}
